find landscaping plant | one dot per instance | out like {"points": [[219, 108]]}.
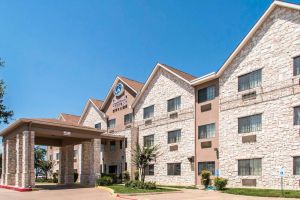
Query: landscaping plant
{"points": [[104, 181], [205, 178], [141, 185], [220, 183]]}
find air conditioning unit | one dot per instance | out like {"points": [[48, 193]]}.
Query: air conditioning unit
{"points": [[148, 122], [173, 115]]}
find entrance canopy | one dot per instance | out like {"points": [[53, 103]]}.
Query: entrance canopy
{"points": [[18, 150]]}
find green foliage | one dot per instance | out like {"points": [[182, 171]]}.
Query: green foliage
{"points": [[112, 176], [141, 185], [263, 192], [45, 180], [205, 178], [39, 158], [220, 183], [143, 157], [55, 177], [126, 176], [136, 175], [75, 177], [46, 166], [104, 181], [5, 114]]}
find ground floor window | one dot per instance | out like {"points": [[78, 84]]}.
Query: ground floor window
{"points": [[149, 171], [210, 166], [297, 115], [174, 169], [249, 167], [296, 166], [113, 169]]}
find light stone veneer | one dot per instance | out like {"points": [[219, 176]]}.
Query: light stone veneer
{"points": [[94, 116], [272, 48], [163, 87]]}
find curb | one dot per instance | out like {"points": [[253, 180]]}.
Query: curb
{"points": [[18, 189]]}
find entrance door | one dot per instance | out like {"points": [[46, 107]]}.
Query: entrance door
{"points": [[113, 169]]}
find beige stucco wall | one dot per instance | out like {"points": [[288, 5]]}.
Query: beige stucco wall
{"points": [[163, 87], [272, 48]]}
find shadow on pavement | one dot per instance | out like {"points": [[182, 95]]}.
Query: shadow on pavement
{"points": [[60, 187]]}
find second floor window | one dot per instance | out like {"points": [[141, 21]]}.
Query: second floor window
{"points": [[57, 156], [112, 145], [148, 140], [206, 131], [296, 66], [128, 118], [148, 112], [297, 115], [249, 124], [98, 126], [249, 167], [174, 136], [296, 167], [206, 94], [174, 104], [111, 123], [249, 81]]}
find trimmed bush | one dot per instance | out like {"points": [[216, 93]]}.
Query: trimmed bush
{"points": [[136, 175], [205, 178], [44, 180], [104, 181], [114, 177], [220, 183], [126, 176], [141, 185]]}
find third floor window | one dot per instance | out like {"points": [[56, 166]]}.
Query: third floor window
{"points": [[206, 94], [128, 118], [206, 131], [111, 123], [296, 66], [148, 112], [174, 104], [249, 81], [250, 123]]}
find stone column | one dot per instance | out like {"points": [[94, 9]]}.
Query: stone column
{"points": [[28, 174], [66, 164], [19, 159], [85, 163], [95, 161], [10, 162], [3, 162]]}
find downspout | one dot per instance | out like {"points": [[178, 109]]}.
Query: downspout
{"points": [[195, 130]]}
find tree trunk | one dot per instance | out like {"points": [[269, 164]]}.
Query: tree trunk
{"points": [[140, 174], [143, 175]]}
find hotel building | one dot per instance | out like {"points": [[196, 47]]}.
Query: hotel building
{"points": [[241, 123]]}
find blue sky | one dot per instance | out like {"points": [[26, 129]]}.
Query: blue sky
{"points": [[60, 53]]}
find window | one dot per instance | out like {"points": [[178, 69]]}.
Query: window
{"points": [[112, 145], [174, 169], [296, 66], [51, 157], [57, 156], [112, 123], [250, 80], [210, 166], [128, 118], [206, 94], [148, 112], [125, 166], [121, 144], [249, 167], [125, 143], [149, 141], [297, 115], [174, 104], [206, 131], [249, 124], [296, 165], [98, 126], [174, 136], [149, 171]]}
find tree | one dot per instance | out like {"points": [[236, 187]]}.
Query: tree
{"points": [[143, 157], [46, 166], [5, 114], [39, 157]]}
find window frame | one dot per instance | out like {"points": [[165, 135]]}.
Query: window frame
{"points": [[250, 170], [98, 125], [174, 170], [130, 119], [296, 69], [148, 171], [206, 167], [173, 102], [146, 137], [207, 96], [176, 138], [296, 116], [111, 146], [295, 167], [144, 113], [250, 126], [109, 123], [246, 79], [205, 126]]}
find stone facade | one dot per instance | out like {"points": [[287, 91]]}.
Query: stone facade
{"points": [[271, 49], [165, 86]]}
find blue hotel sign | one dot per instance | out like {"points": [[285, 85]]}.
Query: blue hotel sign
{"points": [[119, 89]]}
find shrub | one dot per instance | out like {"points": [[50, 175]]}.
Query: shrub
{"points": [[112, 176], [126, 176], [75, 177], [141, 185], [55, 177], [220, 183], [136, 175], [205, 178], [44, 180], [104, 181]]}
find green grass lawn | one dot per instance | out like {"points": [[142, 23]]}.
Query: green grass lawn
{"points": [[180, 186], [263, 192], [121, 189]]}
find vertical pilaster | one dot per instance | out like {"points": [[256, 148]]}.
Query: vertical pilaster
{"points": [[19, 159], [3, 162], [10, 162], [66, 164], [95, 160], [28, 175], [85, 163]]}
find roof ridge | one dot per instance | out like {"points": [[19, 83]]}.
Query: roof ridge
{"points": [[69, 114], [91, 98], [131, 79], [172, 68]]}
